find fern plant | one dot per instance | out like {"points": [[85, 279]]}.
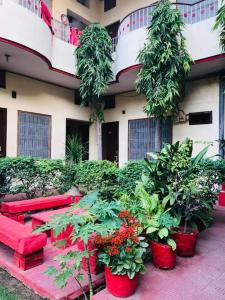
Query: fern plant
{"points": [[94, 68], [165, 64]]}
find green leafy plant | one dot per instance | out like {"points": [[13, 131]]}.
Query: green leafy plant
{"points": [[98, 217], [97, 176], [165, 64], [94, 68], [75, 150], [155, 218], [129, 175], [186, 184], [220, 24], [122, 252], [32, 176]]}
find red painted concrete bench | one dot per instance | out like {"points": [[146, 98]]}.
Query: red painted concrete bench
{"points": [[27, 245], [16, 210], [44, 217]]}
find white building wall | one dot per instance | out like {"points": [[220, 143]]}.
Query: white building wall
{"points": [[201, 95], [38, 97]]}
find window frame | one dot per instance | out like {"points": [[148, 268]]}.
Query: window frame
{"points": [[105, 10], [128, 141], [49, 131], [85, 5]]}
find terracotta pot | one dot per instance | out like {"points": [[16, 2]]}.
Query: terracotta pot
{"points": [[120, 285], [163, 256], [186, 242]]}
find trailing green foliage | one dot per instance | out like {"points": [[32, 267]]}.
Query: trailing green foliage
{"points": [[129, 175], [94, 62], [220, 24], [34, 177], [165, 62], [97, 176], [75, 149]]}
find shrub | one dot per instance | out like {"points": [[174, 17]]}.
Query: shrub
{"points": [[97, 176], [32, 176], [129, 175]]}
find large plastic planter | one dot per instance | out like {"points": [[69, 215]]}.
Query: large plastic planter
{"points": [[163, 256], [186, 242], [120, 285]]}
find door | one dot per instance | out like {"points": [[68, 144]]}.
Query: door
{"points": [[3, 126], [110, 141]]}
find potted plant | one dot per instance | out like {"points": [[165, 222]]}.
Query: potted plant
{"points": [[159, 229], [157, 223], [122, 253]]}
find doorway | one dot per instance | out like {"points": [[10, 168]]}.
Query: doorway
{"points": [[3, 131], [80, 129], [110, 141]]}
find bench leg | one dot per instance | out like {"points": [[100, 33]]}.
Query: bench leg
{"points": [[25, 262]]}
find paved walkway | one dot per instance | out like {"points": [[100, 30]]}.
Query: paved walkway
{"points": [[199, 278]]}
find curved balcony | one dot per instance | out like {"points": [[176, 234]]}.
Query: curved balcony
{"points": [[202, 42], [25, 27]]}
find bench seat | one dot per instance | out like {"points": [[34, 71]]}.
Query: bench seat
{"points": [[28, 246], [16, 209], [36, 204]]}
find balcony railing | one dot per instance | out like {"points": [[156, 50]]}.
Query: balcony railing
{"points": [[34, 5], [191, 13]]}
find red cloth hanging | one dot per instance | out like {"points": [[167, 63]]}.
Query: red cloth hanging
{"points": [[74, 36], [46, 14]]}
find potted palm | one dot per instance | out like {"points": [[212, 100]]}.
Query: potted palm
{"points": [[122, 253]]}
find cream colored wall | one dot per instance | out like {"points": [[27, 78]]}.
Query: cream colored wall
{"points": [[123, 8], [202, 95], [91, 13], [38, 97]]}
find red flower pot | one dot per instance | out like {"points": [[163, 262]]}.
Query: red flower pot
{"points": [[120, 285], [163, 256], [186, 242]]}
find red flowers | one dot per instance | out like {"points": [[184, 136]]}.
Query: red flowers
{"points": [[113, 250], [122, 238]]}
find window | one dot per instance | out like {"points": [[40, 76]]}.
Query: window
{"points": [[109, 4], [113, 29], [198, 118], [2, 80], [142, 136], [84, 2], [34, 135], [110, 101]]}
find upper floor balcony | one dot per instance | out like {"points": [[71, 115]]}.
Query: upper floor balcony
{"points": [[43, 48]]}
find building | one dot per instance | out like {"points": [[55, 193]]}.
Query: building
{"points": [[39, 102]]}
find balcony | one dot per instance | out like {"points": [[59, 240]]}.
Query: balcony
{"points": [[27, 37], [202, 41]]}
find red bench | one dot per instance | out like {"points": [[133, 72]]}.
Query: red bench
{"points": [[28, 246], [16, 210]]}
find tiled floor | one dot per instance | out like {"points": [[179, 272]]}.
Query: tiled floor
{"points": [[201, 277]]}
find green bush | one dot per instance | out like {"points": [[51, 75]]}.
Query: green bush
{"points": [[129, 175], [32, 176], [97, 175]]}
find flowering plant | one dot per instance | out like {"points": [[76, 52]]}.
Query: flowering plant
{"points": [[123, 250]]}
